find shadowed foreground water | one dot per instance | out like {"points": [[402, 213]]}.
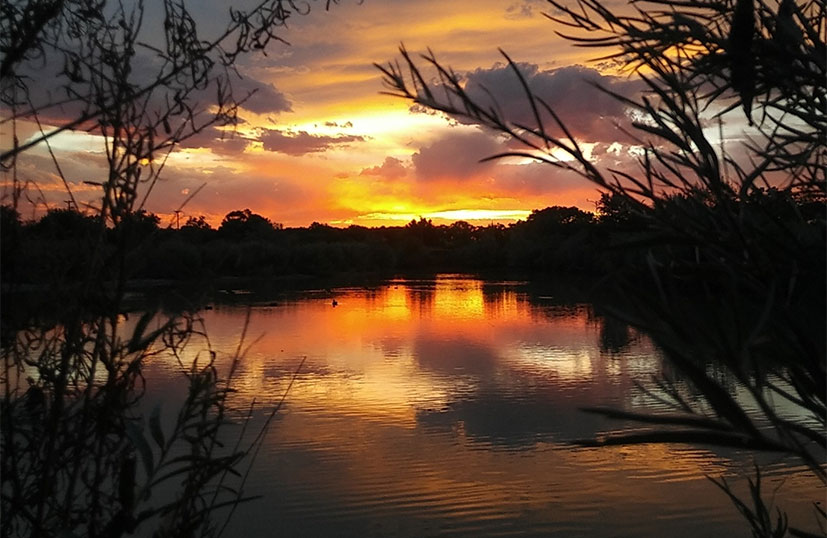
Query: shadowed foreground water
{"points": [[443, 407]]}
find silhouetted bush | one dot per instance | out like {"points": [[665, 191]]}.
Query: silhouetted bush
{"points": [[10, 237], [66, 223], [197, 230], [245, 224], [173, 259], [135, 228]]}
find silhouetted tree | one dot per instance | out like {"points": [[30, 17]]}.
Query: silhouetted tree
{"points": [[423, 230], [556, 219], [199, 223], [137, 226], [719, 283], [10, 232], [616, 210], [66, 223], [196, 230], [460, 232], [77, 456], [245, 224]]}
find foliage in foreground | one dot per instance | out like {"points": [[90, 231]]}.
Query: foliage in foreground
{"points": [[78, 454], [755, 270], [554, 239]]}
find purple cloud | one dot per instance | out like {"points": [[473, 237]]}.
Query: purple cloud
{"points": [[391, 168], [302, 142], [589, 113], [456, 155], [264, 99], [219, 141]]}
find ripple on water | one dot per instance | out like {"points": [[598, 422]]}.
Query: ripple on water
{"points": [[445, 408]]}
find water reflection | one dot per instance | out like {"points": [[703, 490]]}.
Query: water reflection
{"points": [[443, 407]]}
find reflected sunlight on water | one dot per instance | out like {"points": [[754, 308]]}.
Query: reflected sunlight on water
{"points": [[444, 407]]}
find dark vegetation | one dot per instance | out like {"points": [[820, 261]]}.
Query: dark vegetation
{"points": [[80, 452], [246, 244], [555, 239], [720, 259], [732, 284]]}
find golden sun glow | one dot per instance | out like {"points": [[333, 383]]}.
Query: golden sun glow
{"points": [[468, 215], [324, 144]]}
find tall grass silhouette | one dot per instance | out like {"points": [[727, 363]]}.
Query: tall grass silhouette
{"points": [[732, 287], [80, 455]]}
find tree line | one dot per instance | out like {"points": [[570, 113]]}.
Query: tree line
{"points": [[616, 237]]}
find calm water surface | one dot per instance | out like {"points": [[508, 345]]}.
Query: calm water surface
{"points": [[444, 407]]}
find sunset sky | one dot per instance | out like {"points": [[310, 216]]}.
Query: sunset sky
{"points": [[319, 142]]}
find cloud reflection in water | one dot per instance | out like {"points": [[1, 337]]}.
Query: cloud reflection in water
{"points": [[439, 407]]}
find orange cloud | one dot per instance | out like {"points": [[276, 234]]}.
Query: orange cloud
{"points": [[318, 142]]}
